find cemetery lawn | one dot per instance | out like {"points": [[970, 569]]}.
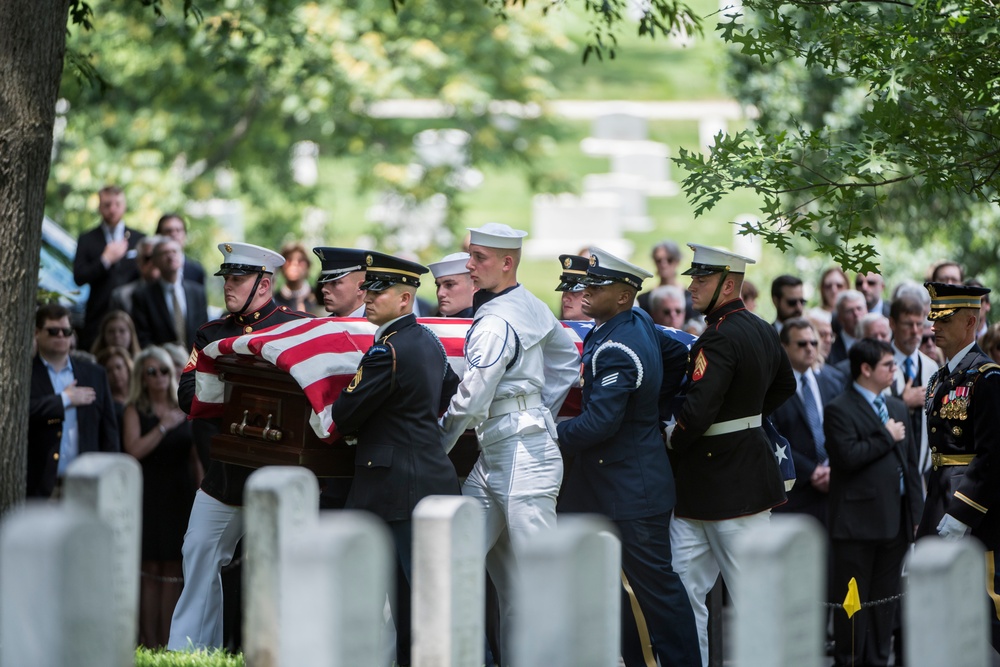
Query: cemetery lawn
{"points": [[145, 657]]}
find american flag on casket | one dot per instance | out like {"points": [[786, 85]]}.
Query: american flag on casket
{"points": [[322, 355]]}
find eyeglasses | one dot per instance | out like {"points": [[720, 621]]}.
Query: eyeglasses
{"points": [[151, 371], [795, 302], [55, 332], [890, 363], [804, 343], [871, 282], [834, 286], [926, 339], [147, 258]]}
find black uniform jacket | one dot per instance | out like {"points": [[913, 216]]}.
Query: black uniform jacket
{"points": [[391, 407], [224, 481], [865, 468], [96, 423], [963, 409], [737, 368]]}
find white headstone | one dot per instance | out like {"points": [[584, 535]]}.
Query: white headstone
{"points": [[110, 485], [649, 162], [780, 621], [620, 126], [945, 617], [568, 597], [335, 578], [564, 223], [631, 196], [279, 502], [56, 565], [448, 582]]}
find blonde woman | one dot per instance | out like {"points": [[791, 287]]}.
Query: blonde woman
{"points": [[157, 433], [117, 328]]}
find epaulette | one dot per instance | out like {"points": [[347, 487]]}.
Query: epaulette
{"points": [[988, 366]]}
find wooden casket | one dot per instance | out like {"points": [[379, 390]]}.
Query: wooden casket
{"points": [[266, 422]]}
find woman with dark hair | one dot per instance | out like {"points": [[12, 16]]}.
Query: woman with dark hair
{"points": [[991, 342], [118, 329], [157, 433]]}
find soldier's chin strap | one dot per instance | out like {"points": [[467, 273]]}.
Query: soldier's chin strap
{"points": [[718, 290], [256, 284]]}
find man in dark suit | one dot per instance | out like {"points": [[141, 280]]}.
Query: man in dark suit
{"points": [[389, 411], [173, 226], [800, 420], [621, 469], [70, 406], [963, 401], [169, 310], [875, 501], [786, 295], [724, 464], [849, 308], [105, 258], [872, 285]]}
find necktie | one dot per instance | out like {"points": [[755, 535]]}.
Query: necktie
{"points": [[180, 326], [813, 419], [908, 369], [883, 412]]}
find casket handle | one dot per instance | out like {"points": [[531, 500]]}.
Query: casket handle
{"points": [[237, 429]]}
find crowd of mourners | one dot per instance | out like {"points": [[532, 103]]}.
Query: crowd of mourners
{"points": [[884, 395]]}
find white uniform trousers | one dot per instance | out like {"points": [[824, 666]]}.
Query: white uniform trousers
{"points": [[516, 480], [702, 550], [213, 532]]}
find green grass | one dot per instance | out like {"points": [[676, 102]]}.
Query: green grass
{"points": [[216, 658]]}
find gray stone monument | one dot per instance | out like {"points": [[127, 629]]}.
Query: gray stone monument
{"points": [[944, 606], [631, 194], [334, 579], [279, 502], [568, 597], [448, 582], [565, 222], [780, 621], [649, 163], [110, 486], [56, 564]]}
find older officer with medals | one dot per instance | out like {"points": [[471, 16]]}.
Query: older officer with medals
{"points": [[724, 465], [621, 468], [963, 401], [390, 411]]}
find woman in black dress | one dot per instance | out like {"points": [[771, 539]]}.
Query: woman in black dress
{"points": [[157, 433]]}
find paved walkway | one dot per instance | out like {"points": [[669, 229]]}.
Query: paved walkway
{"points": [[574, 109]]}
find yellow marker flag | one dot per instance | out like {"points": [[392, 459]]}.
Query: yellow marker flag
{"points": [[852, 603]]}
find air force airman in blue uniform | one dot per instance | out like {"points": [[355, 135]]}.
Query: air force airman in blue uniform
{"points": [[621, 468]]}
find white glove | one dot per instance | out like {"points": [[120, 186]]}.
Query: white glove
{"points": [[951, 529], [668, 431]]}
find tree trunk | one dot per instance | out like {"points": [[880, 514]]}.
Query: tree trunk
{"points": [[32, 46]]}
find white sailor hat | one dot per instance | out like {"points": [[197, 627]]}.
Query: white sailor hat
{"points": [[450, 265], [707, 261], [605, 269], [338, 262], [496, 235], [242, 259]]}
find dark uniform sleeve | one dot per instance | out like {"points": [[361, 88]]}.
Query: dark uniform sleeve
{"points": [[616, 376], [674, 354], [186, 386], [979, 490], [448, 387], [710, 371], [368, 390], [782, 388]]}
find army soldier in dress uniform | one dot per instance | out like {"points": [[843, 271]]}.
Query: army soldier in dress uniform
{"points": [[216, 523], [390, 411], [571, 285], [724, 465], [963, 401], [621, 468], [340, 278]]}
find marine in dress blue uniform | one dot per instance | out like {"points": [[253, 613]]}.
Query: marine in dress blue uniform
{"points": [[621, 468], [390, 411], [216, 523], [724, 464], [963, 401]]}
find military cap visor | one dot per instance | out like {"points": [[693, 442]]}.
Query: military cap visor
{"points": [[240, 270], [707, 270], [337, 274], [384, 271], [571, 283]]}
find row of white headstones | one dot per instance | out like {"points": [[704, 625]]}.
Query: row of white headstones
{"points": [[315, 584]]}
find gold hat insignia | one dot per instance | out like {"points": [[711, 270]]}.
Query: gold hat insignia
{"points": [[593, 260], [568, 262], [932, 291], [228, 248], [368, 260]]}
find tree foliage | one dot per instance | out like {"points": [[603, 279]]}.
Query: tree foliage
{"points": [[875, 117]]}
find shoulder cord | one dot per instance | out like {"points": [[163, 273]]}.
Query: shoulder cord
{"points": [[626, 350]]}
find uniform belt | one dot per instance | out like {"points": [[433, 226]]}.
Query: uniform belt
{"points": [[733, 425], [505, 406], [950, 459]]}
